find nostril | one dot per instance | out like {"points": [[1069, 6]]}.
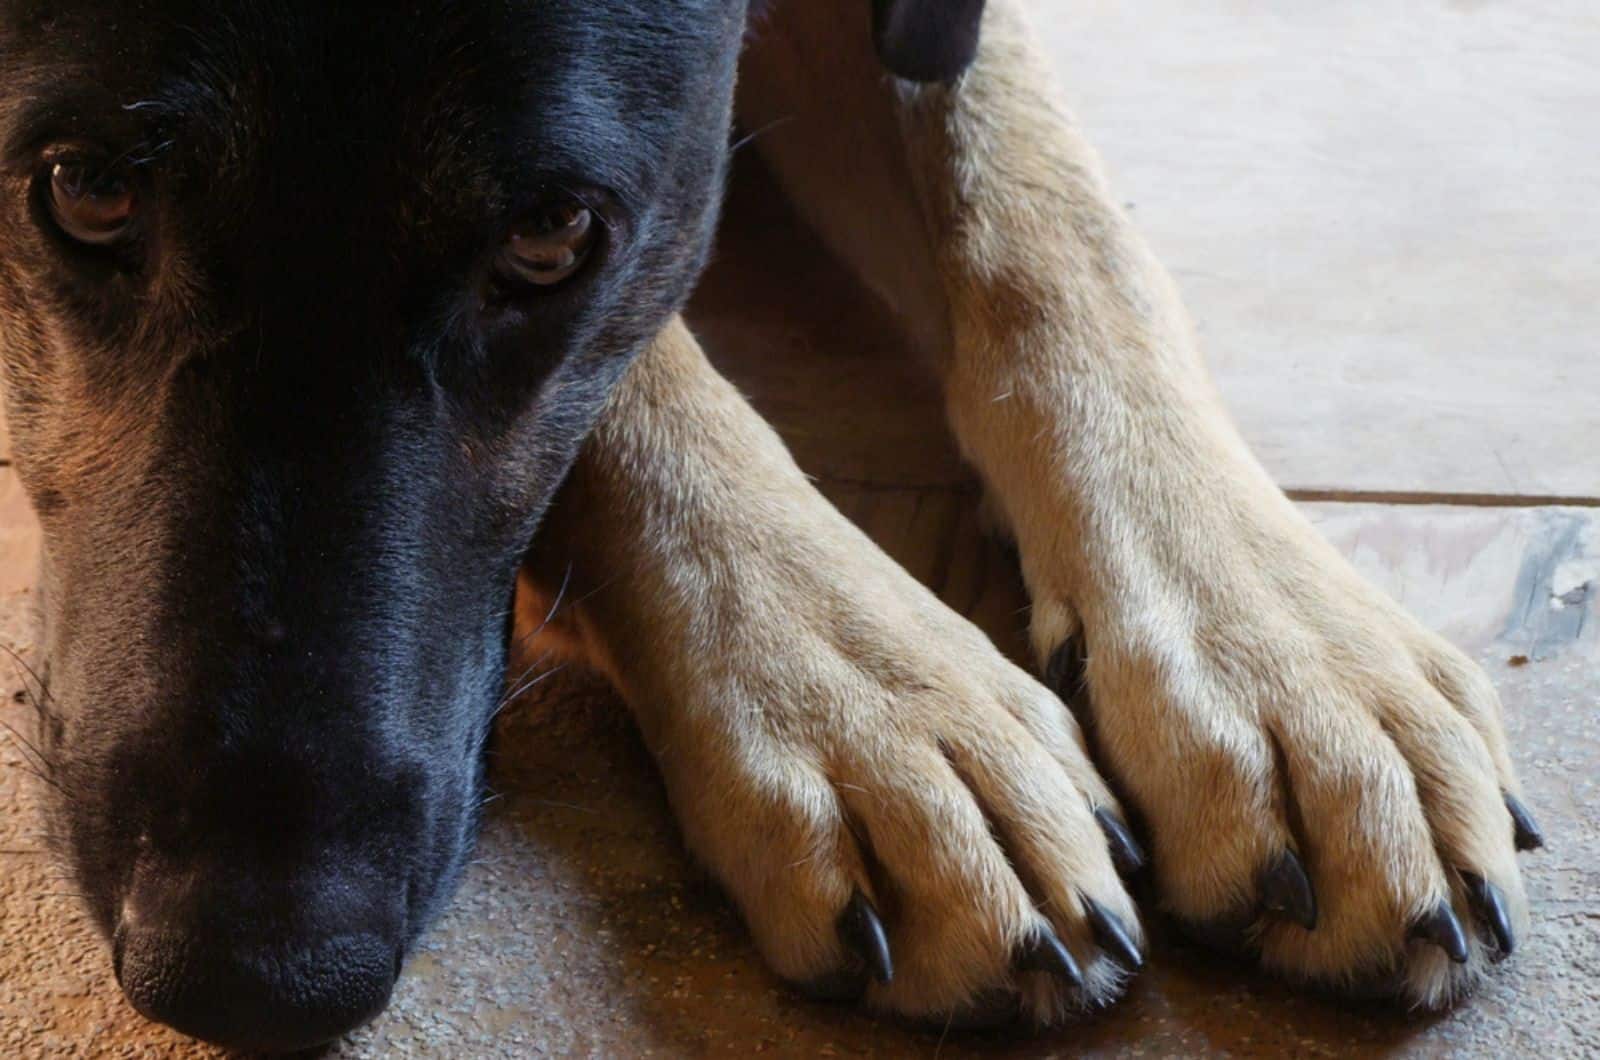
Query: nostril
{"points": [[288, 995]]}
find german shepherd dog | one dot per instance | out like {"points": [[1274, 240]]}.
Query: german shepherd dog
{"points": [[327, 325]]}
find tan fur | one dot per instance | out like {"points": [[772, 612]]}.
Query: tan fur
{"points": [[1250, 691], [806, 698]]}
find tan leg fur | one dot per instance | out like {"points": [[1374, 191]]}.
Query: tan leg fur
{"points": [[1249, 692], [823, 723]]}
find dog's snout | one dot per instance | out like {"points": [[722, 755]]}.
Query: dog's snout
{"points": [[278, 995], [256, 960]]}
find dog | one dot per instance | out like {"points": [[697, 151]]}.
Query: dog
{"points": [[343, 345]]}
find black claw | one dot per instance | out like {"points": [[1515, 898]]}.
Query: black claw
{"points": [[1524, 829], [1441, 928], [1043, 952], [862, 933], [1286, 890], [1490, 905], [1126, 853], [1064, 673], [1112, 934]]}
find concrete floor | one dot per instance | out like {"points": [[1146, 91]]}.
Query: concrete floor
{"points": [[1388, 230]]}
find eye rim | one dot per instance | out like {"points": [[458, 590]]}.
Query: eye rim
{"points": [[521, 274], [95, 172]]}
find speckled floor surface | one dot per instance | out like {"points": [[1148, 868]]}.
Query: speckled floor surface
{"points": [[582, 930], [1429, 391]]}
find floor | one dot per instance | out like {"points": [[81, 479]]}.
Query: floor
{"points": [[1388, 231]]}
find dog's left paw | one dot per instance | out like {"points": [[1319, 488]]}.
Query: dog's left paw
{"points": [[1325, 782], [903, 816]]}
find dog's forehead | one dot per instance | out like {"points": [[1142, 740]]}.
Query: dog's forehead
{"points": [[455, 93]]}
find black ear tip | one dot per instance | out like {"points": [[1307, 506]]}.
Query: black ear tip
{"points": [[926, 40]]}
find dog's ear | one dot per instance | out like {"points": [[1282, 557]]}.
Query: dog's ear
{"points": [[926, 40]]}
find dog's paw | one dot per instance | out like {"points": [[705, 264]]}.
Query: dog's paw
{"points": [[900, 813], [1325, 783]]}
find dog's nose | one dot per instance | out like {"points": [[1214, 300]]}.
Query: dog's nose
{"points": [[279, 996]]}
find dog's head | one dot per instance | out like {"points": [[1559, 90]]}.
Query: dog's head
{"points": [[305, 308]]}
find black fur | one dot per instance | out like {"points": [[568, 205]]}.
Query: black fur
{"points": [[289, 446], [926, 40]]}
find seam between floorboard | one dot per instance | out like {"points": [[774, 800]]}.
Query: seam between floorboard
{"points": [[1459, 500]]}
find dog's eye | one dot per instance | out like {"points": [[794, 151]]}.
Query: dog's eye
{"points": [[90, 206], [548, 247]]}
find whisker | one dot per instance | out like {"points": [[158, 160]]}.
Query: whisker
{"points": [[41, 770], [590, 594], [25, 695], [561, 593], [29, 768], [512, 696], [44, 688], [595, 211], [557, 607], [132, 157], [151, 153], [562, 805], [42, 778], [745, 141], [549, 617], [547, 674], [24, 744], [513, 682]]}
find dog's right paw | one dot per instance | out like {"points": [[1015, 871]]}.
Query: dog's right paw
{"points": [[1325, 782], [901, 814]]}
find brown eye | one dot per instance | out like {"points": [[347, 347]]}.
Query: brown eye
{"points": [[550, 247], [89, 206]]}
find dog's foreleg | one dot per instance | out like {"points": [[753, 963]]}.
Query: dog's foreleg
{"points": [[897, 809], [1326, 782]]}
